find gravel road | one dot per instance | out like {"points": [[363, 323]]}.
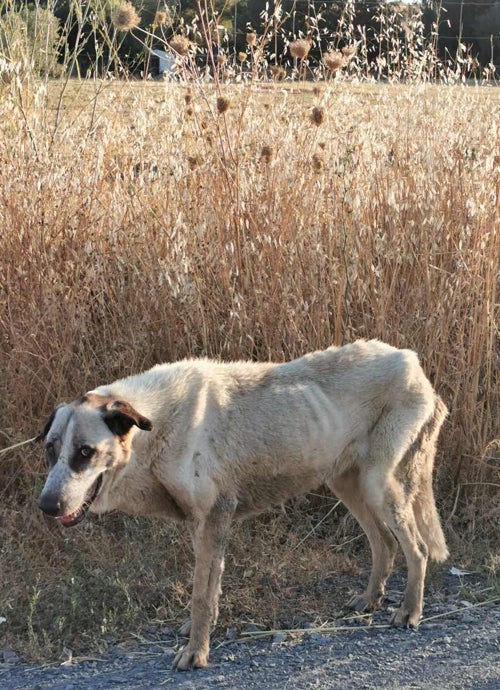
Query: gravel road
{"points": [[456, 647]]}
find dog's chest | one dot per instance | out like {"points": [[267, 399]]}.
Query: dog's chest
{"points": [[140, 493]]}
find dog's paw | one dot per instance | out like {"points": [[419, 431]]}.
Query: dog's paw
{"points": [[403, 618], [363, 603], [185, 629], [188, 658]]}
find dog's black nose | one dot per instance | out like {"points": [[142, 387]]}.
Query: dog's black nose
{"points": [[50, 504]]}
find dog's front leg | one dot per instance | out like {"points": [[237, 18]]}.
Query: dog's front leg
{"points": [[210, 538]]}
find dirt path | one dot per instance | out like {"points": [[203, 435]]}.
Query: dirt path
{"points": [[457, 647]]}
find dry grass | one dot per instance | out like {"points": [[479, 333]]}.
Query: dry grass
{"points": [[139, 225]]}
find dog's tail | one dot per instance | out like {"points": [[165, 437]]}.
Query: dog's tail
{"points": [[424, 504]]}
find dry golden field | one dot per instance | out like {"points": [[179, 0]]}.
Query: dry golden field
{"points": [[148, 222]]}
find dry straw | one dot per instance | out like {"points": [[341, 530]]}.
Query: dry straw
{"points": [[125, 17], [407, 29]]}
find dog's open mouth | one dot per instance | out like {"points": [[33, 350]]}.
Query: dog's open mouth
{"points": [[77, 515]]}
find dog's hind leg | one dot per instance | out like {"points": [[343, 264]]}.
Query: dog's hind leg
{"points": [[382, 543], [385, 494], [210, 538], [398, 514], [424, 504]]}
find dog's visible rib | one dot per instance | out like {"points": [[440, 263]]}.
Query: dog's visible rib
{"points": [[205, 442]]}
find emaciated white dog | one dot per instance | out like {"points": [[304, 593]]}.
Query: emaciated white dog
{"points": [[203, 442]]}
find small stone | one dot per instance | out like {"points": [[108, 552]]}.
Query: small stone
{"points": [[115, 650], [231, 634], [10, 657], [279, 637], [167, 631], [316, 637], [155, 649], [110, 639], [468, 619]]}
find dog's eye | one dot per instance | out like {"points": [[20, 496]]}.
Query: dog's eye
{"points": [[81, 458], [50, 451]]}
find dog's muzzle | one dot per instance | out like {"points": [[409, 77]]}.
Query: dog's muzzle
{"points": [[50, 504]]}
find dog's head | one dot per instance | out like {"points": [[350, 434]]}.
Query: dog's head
{"points": [[84, 442]]}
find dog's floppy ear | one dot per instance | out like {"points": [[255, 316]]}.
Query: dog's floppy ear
{"points": [[46, 428], [121, 417]]}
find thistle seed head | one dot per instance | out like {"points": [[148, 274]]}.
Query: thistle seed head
{"points": [[267, 154], [333, 60], [317, 163], [252, 38], [160, 19], [278, 72], [180, 45], [125, 17], [300, 48], [349, 51], [318, 115], [223, 104]]}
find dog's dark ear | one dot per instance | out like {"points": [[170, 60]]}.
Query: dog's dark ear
{"points": [[121, 417], [46, 428]]}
